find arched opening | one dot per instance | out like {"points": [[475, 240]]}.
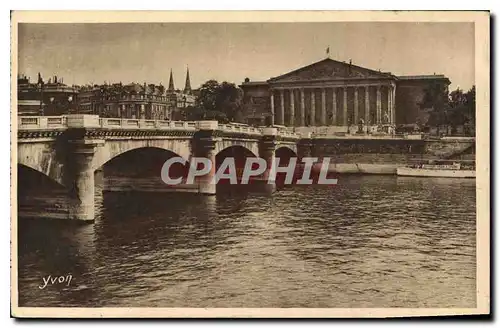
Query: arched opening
{"points": [[285, 154], [39, 195], [239, 154], [139, 170], [130, 185]]}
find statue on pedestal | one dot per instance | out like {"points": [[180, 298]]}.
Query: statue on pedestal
{"points": [[386, 118], [361, 124]]}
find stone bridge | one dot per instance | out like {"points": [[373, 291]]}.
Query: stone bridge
{"points": [[69, 149]]}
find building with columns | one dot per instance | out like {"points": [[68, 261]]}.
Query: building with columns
{"points": [[330, 93]]}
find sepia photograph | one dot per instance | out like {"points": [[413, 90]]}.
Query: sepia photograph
{"points": [[285, 164]]}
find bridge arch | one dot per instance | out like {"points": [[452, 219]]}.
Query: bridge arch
{"points": [[26, 172], [286, 149], [144, 162], [239, 153], [284, 153], [114, 148], [250, 146], [42, 159]]}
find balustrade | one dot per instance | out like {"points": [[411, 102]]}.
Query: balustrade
{"points": [[93, 121]]}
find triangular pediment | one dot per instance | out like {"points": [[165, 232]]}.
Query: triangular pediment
{"points": [[328, 69]]}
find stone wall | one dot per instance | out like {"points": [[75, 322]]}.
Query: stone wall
{"points": [[385, 151]]}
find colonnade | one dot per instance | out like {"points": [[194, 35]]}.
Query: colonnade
{"points": [[349, 115]]}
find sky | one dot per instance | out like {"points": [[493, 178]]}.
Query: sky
{"points": [[146, 52]]}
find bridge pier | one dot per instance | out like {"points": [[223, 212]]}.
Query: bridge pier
{"points": [[204, 145], [267, 151], [80, 177]]}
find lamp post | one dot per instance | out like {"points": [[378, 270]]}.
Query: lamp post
{"points": [[40, 83], [70, 100]]}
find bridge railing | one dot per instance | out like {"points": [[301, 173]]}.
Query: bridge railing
{"points": [[121, 123], [42, 122], [288, 134], [93, 121], [236, 128]]}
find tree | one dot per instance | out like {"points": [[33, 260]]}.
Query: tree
{"points": [[453, 109], [462, 107], [221, 102], [161, 89], [435, 102], [229, 101], [207, 98], [470, 105]]}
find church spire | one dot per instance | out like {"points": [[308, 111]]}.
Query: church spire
{"points": [[171, 87], [187, 87]]}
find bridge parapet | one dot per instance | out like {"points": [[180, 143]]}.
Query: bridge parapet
{"points": [[41, 122], [134, 124], [44, 123], [236, 128]]}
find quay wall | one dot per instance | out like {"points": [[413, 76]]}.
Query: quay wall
{"points": [[384, 156]]}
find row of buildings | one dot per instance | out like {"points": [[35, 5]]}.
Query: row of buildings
{"points": [[134, 100], [327, 93]]}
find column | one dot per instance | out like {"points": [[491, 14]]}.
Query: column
{"points": [[345, 106], [389, 103], [282, 108], [334, 106], [143, 112], [302, 108], [367, 104], [393, 117], [379, 105], [272, 107], [313, 109], [323, 107], [292, 108], [355, 105]]}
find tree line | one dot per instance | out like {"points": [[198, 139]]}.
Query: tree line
{"points": [[449, 108]]}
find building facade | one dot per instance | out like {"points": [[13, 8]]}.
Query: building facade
{"points": [[144, 101], [330, 93], [50, 98]]}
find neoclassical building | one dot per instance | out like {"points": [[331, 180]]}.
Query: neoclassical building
{"points": [[333, 93]]}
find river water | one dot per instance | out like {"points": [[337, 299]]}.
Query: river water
{"points": [[370, 241]]}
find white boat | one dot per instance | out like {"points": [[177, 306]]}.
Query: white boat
{"points": [[454, 170]]}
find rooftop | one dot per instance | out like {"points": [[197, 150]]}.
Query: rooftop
{"points": [[247, 83], [422, 77]]}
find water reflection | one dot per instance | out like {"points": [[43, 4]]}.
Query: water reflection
{"points": [[370, 241]]}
